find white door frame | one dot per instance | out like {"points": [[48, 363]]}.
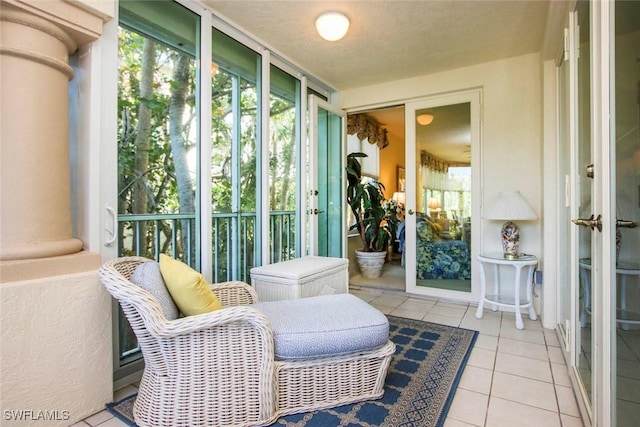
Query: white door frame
{"points": [[310, 201], [412, 159]]}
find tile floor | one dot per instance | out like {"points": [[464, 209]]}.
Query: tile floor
{"points": [[513, 378]]}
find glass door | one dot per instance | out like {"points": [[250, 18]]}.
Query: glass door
{"points": [[625, 140], [326, 186], [441, 181], [585, 204], [606, 191]]}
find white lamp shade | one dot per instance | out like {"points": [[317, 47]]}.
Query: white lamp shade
{"points": [[510, 205], [434, 204], [399, 197], [332, 26]]}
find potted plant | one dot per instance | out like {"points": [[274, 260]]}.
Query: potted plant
{"points": [[375, 224]]}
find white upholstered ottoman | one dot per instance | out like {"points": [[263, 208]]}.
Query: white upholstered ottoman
{"points": [[301, 277], [324, 326]]}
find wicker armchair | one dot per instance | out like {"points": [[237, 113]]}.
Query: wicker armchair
{"points": [[219, 368]]}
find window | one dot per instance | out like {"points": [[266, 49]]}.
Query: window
{"points": [[284, 165], [235, 151], [157, 133], [371, 163]]}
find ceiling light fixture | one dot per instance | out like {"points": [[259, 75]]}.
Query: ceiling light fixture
{"points": [[332, 26], [424, 119]]}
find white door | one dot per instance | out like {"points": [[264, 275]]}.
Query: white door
{"points": [[605, 181], [326, 183], [435, 205]]}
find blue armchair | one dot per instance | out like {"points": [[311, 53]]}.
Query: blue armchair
{"points": [[439, 259]]}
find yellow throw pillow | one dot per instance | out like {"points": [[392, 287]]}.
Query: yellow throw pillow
{"points": [[187, 287]]}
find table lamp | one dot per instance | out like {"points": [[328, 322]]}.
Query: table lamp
{"points": [[509, 206], [434, 205], [399, 198]]}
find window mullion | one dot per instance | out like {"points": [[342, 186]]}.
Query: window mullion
{"points": [[236, 134], [301, 170], [264, 115], [204, 247]]}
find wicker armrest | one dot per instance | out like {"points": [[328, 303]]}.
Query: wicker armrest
{"points": [[234, 343], [234, 293], [189, 324]]}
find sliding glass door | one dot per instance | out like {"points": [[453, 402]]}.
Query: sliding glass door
{"points": [[210, 159], [158, 109]]}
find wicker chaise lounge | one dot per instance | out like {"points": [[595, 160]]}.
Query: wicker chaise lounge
{"points": [[224, 368]]}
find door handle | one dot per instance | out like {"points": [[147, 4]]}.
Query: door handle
{"points": [[410, 212], [591, 222], [114, 225], [623, 223], [316, 211]]}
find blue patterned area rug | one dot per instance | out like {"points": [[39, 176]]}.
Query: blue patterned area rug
{"points": [[421, 382]]}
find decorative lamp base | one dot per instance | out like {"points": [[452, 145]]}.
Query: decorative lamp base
{"points": [[511, 240]]}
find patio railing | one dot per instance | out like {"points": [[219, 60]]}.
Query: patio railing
{"points": [[232, 257]]}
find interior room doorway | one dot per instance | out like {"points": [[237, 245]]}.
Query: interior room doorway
{"points": [[385, 162], [423, 164]]}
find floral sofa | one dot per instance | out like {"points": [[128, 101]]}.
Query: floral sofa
{"points": [[437, 258]]}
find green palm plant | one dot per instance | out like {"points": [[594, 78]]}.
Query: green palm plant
{"points": [[376, 227]]}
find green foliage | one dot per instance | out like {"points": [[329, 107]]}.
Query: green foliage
{"points": [[376, 227], [158, 178], [147, 165]]}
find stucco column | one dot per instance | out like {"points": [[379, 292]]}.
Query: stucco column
{"points": [[35, 201], [55, 315], [36, 39]]}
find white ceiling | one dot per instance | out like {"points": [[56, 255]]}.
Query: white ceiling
{"points": [[395, 39], [392, 39]]}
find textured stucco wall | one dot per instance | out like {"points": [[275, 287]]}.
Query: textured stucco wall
{"points": [[56, 350]]}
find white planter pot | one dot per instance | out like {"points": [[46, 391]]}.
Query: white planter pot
{"points": [[371, 263]]}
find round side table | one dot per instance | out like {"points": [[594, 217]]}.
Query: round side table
{"points": [[497, 299]]}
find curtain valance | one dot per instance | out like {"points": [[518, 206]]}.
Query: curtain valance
{"points": [[366, 128], [434, 172], [432, 162]]}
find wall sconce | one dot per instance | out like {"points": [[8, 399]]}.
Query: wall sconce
{"points": [[332, 26]]}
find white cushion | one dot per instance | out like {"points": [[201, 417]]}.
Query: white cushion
{"points": [[147, 275], [322, 326]]}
